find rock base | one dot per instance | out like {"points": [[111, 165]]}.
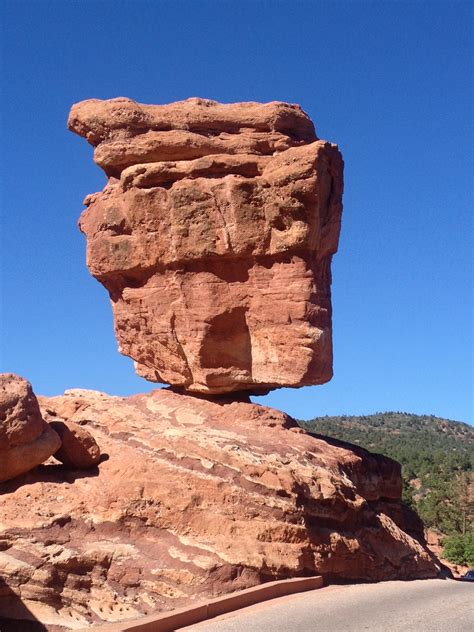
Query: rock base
{"points": [[195, 498]]}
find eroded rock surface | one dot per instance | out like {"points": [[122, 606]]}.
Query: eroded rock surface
{"points": [[197, 498], [214, 237], [78, 448], [26, 440]]}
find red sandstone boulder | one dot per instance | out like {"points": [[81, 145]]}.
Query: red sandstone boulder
{"points": [[214, 237], [26, 440], [78, 448], [198, 498]]}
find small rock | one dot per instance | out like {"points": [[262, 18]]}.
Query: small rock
{"points": [[79, 449]]}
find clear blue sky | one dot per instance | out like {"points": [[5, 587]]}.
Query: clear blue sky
{"points": [[390, 82]]}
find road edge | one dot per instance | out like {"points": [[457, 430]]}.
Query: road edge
{"points": [[170, 621]]}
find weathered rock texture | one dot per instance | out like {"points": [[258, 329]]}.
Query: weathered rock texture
{"points": [[214, 237], [26, 440], [78, 448], [197, 498]]}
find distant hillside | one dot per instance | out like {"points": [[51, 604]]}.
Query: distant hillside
{"points": [[437, 457]]}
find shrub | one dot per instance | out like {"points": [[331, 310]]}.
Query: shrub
{"points": [[459, 549]]}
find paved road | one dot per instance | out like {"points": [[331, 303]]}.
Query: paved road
{"points": [[432, 605]]}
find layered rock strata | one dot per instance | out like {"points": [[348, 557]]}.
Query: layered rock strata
{"points": [[197, 498], [214, 237]]}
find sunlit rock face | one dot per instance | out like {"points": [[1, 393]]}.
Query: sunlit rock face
{"points": [[26, 440], [214, 237], [198, 497]]}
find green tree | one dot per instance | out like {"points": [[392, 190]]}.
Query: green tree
{"points": [[459, 549], [436, 457]]}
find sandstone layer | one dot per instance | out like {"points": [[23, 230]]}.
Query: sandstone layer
{"points": [[214, 237], [196, 498], [26, 440]]}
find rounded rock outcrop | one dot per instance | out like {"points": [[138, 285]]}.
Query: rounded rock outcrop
{"points": [[26, 440], [78, 448]]}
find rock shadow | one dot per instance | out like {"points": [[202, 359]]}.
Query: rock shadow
{"points": [[50, 473], [14, 615], [227, 343]]}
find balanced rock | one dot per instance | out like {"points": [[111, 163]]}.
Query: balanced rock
{"points": [[214, 237], [198, 498], [26, 440]]}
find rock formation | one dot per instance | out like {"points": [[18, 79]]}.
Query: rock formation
{"points": [[26, 440], [214, 237], [78, 448], [197, 498]]}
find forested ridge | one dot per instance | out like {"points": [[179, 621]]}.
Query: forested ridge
{"points": [[437, 457]]}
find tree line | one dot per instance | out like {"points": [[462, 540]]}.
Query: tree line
{"points": [[437, 458]]}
